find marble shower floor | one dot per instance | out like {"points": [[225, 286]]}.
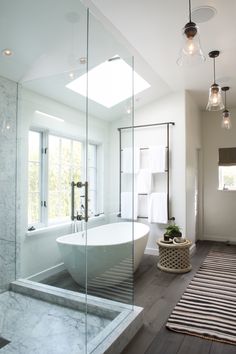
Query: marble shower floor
{"points": [[35, 326]]}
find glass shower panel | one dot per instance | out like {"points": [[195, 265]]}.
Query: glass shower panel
{"points": [[52, 152], [8, 97], [110, 246]]}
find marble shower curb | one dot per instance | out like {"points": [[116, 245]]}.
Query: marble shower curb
{"points": [[126, 320]]}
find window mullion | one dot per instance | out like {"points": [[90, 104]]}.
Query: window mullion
{"points": [[60, 178], [41, 179], [96, 181], [45, 179]]}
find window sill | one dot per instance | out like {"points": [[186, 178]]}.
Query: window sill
{"points": [[51, 228], [226, 190]]}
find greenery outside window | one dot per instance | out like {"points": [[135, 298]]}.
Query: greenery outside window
{"points": [[34, 178], [227, 168], [54, 162], [227, 177]]}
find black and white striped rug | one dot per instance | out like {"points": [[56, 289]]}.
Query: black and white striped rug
{"points": [[208, 306]]}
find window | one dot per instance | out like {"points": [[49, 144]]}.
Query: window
{"points": [[92, 178], [227, 168], [54, 162], [227, 177], [34, 180], [64, 166]]}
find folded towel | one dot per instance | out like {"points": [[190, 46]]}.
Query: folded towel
{"points": [[144, 181], [157, 159], [157, 208], [130, 154], [127, 204], [143, 206]]}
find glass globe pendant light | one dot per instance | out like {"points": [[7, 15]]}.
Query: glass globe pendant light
{"points": [[215, 102], [191, 52], [226, 121]]}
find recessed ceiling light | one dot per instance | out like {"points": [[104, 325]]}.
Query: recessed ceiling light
{"points": [[7, 52], [203, 14], [109, 83]]}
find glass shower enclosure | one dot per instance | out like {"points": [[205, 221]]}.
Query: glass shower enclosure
{"points": [[75, 93]]}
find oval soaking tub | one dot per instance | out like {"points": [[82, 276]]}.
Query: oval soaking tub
{"points": [[109, 251]]}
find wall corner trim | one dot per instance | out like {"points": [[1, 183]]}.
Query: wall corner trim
{"points": [[193, 249]]}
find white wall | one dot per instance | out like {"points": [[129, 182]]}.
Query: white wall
{"points": [[218, 206], [193, 154], [38, 250], [169, 108]]}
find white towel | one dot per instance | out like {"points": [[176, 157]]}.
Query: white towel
{"points": [[143, 206], [127, 203], [144, 181], [157, 208], [157, 159], [128, 155]]}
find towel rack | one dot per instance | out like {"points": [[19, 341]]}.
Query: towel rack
{"points": [[167, 124]]}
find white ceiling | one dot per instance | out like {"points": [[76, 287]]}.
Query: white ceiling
{"points": [[43, 42], [154, 29], [41, 37]]}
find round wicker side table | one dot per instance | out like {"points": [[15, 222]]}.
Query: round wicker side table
{"points": [[174, 258]]}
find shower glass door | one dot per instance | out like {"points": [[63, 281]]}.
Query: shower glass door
{"points": [[75, 184], [110, 246], [52, 156]]}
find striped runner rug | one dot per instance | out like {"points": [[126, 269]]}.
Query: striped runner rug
{"points": [[208, 306]]}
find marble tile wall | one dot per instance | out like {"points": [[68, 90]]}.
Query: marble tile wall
{"points": [[8, 113]]}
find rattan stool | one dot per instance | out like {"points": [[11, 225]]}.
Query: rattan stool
{"points": [[174, 258]]}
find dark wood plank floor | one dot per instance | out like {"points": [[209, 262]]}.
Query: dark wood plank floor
{"points": [[158, 292], [3, 342]]}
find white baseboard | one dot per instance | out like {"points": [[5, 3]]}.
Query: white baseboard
{"points": [[193, 249], [227, 239], [47, 273]]}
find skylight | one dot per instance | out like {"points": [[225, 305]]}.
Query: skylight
{"points": [[109, 83]]}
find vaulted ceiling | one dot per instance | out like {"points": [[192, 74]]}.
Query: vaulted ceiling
{"points": [[42, 37], [154, 29]]}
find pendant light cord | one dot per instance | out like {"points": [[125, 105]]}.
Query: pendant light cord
{"points": [[214, 70], [225, 101], [190, 16]]}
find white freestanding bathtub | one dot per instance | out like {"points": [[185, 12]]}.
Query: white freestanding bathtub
{"points": [[108, 247]]}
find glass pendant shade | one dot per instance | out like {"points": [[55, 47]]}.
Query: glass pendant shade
{"points": [[191, 52], [215, 102], [226, 121]]}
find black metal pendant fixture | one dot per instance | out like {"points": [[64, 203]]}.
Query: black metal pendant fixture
{"points": [[226, 121], [191, 52]]}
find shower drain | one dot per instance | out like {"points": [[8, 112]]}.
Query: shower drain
{"points": [[3, 342]]}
